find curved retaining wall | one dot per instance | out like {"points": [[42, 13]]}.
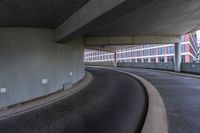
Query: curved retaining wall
{"points": [[29, 58], [161, 66]]}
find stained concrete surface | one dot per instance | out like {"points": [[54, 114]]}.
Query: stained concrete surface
{"points": [[181, 96], [37, 13], [111, 103], [29, 55]]}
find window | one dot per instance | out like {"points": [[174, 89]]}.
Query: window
{"points": [[146, 60], [133, 60], [161, 51], [139, 60], [170, 59], [153, 51], [118, 55], [182, 48], [153, 60], [145, 52], [133, 48], [123, 55], [133, 54], [182, 38], [139, 53], [161, 59], [128, 54], [146, 46], [183, 58], [170, 50]]}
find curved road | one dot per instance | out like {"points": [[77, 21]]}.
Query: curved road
{"points": [[181, 96], [111, 103]]}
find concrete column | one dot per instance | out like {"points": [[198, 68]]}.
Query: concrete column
{"points": [[115, 59], [177, 55]]}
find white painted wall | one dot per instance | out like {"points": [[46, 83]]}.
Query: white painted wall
{"points": [[29, 55]]}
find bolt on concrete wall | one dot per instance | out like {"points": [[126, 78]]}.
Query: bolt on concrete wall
{"points": [[32, 64]]}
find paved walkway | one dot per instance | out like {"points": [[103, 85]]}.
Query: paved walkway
{"points": [[111, 103], [181, 96]]}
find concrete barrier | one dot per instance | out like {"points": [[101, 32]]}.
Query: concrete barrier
{"points": [[185, 67], [99, 63], [190, 67], [160, 66]]}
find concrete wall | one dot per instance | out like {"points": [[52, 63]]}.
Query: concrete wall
{"points": [[191, 67], [28, 56], [161, 66], [99, 64]]}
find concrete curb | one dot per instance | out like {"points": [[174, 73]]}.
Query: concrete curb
{"points": [[156, 119], [45, 100]]}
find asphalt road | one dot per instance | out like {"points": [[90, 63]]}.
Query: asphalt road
{"points": [[111, 103], [181, 96]]}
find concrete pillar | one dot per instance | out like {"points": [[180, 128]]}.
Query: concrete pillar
{"points": [[177, 55], [115, 59]]}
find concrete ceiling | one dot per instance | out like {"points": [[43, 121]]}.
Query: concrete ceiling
{"points": [[157, 17], [128, 17], [37, 13]]}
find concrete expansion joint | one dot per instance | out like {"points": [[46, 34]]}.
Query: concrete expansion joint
{"points": [[156, 118], [20, 108]]}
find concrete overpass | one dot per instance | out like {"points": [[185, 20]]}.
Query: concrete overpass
{"points": [[42, 42]]}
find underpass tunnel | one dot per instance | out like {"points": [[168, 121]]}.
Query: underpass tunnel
{"points": [[47, 86]]}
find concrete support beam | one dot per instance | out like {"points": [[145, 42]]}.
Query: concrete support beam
{"points": [[177, 57], [129, 40], [115, 59], [89, 12]]}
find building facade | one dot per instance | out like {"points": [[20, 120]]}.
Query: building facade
{"points": [[149, 53]]}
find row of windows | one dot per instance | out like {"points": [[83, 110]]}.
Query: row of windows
{"points": [[161, 51], [139, 47], [170, 59], [95, 53], [170, 50], [152, 52], [100, 57]]}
